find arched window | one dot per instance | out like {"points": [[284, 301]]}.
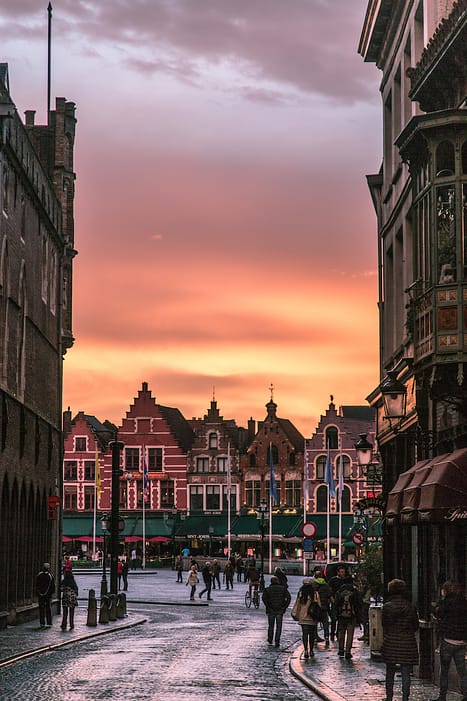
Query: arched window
{"points": [[346, 466], [320, 465], [321, 499], [213, 440], [345, 499], [273, 454], [331, 438], [445, 164]]}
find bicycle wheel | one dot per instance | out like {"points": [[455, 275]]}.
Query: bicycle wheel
{"points": [[256, 600], [247, 599]]}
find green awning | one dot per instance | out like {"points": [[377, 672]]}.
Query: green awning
{"points": [[83, 525], [206, 525]]}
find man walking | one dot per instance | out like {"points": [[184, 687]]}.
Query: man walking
{"points": [[207, 579], [276, 598], [348, 615], [45, 587]]}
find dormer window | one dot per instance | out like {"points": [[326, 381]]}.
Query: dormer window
{"points": [[213, 441]]}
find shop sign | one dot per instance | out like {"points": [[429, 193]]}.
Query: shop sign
{"points": [[456, 515]]}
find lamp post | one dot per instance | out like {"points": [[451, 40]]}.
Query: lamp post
{"points": [[261, 514], [369, 464], [115, 523], [105, 523], [394, 395]]}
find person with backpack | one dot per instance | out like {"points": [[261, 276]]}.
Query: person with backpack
{"points": [[307, 611], [335, 583], [325, 596], [45, 587], [347, 606]]}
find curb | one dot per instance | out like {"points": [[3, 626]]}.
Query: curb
{"points": [[56, 646], [322, 690]]}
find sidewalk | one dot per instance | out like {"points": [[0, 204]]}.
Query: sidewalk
{"points": [[28, 639], [337, 679]]}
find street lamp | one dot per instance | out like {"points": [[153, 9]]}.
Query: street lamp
{"points": [[394, 396], [370, 464], [261, 514], [105, 523]]}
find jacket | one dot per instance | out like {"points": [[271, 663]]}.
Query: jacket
{"points": [[400, 623], [276, 598], [69, 590], [324, 591], [192, 578], [45, 583], [452, 617], [300, 610]]}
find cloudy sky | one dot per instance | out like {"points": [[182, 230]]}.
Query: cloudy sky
{"points": [[225, 233]]}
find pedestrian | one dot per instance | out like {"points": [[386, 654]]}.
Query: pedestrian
{"points": [[307, 611], [179, 568], [281, 576], [239, 568], [229, 574], [451, 613], [325, 596], [192, 580], [45, 587], [134, 559], [69, 591], [276, 598], [125, 568], [347, 605], [216, 568], [119, 573], [207, 579], [400, 623], [335, 583]]}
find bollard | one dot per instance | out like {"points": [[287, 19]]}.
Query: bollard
{"points": [[121, 605], [104, 610], [112, 607], [92, 609]]}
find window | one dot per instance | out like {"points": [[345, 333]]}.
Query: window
{"points": [[80, 444], [322, 499], [155, 460], [89, 470], [278, 487], [202, 464], [167, 492], [233, 498], [196, 497], [222, 464], [132, 461], [332, 438], [123, 495], [213, 501], [71, 471], [320, 465], [292, 458], [89, 498], [273, 454], [445, 159], [70, 499], [252, 492], [212, 441], [252, 460], [345, 464], [293, 492], [446, 235], [345, 499]]}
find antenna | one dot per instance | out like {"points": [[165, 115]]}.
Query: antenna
{"points": [[49, 52]]}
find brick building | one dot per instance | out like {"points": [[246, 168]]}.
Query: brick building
{"points": [[36, 253]]}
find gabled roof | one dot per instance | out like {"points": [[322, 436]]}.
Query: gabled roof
{"points": [[179, 426]]}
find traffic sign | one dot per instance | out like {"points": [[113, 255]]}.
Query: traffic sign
{"points": [[308, 545], [309, 529], [358, 537]]}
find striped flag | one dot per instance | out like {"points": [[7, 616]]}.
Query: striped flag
{"points": [[328, 476], [97, 475]]}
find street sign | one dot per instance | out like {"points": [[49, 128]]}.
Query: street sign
{"points": [[309, 529], [308, 545], [358, 537]]}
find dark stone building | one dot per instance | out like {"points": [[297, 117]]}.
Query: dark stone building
{"points": [[36, 253]]}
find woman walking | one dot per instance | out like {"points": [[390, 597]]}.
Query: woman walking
{"points": [[306, 611], [69, 590], [192, 580], [400, 623]]}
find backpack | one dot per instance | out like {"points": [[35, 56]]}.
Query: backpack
{"points": [[345, 609]]}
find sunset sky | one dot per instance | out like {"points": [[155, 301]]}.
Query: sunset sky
{"points": [[225, 232]]}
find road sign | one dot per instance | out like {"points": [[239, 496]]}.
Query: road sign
{"points": [[309, 529], [308, 545], [358, 537]]}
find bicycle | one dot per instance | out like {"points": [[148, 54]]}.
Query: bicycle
{"points": [[252, 599]]}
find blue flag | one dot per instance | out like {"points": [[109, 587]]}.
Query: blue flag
{"points": [[329, 477], [272, 479]]}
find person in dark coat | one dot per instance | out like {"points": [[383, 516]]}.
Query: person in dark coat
{"points": [[276, 598], [228, 573], [45, 587], [307, 595], [325, 595], [451, 613], [400, 623], [207, 579], [125, 569], [69, 590], [348, 613]]}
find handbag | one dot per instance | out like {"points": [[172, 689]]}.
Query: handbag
{"points": [[314, 611]]}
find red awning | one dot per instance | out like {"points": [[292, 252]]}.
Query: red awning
{"points": [[443, 494], [159, 539], [411, 495], [133, 539], [89, 539], [66, 539], [396, 494]]}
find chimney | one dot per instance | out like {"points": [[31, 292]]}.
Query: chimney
{"points": [[67, 422], [30, 116]]}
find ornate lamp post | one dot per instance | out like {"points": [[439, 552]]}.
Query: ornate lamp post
{"points": [[261, 514], [394, 396], [105, 523]]}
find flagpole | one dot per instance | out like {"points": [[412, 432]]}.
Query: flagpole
{"points": [[144, 514], [272, 487], [97, 490], [305, 497], [229, 489], [341, 489]]}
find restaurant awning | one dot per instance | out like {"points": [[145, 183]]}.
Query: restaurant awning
{"points": [[79, 525], [431, 490]]}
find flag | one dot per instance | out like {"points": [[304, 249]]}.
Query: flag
{"points": [[146, 482], [272, 479], [97, 475], [229, 472], [340, 483], [306, 477], [328, 476]]}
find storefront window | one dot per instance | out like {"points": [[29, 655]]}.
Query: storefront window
{"points": [[213, 502]]}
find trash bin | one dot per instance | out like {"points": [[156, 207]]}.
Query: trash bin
{"points": [[376, 630]]}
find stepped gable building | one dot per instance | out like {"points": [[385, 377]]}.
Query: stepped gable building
{"points": [[36, 254], [277, 441], [419, 194], [160, 438], [336, 434], [216, 448]]}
